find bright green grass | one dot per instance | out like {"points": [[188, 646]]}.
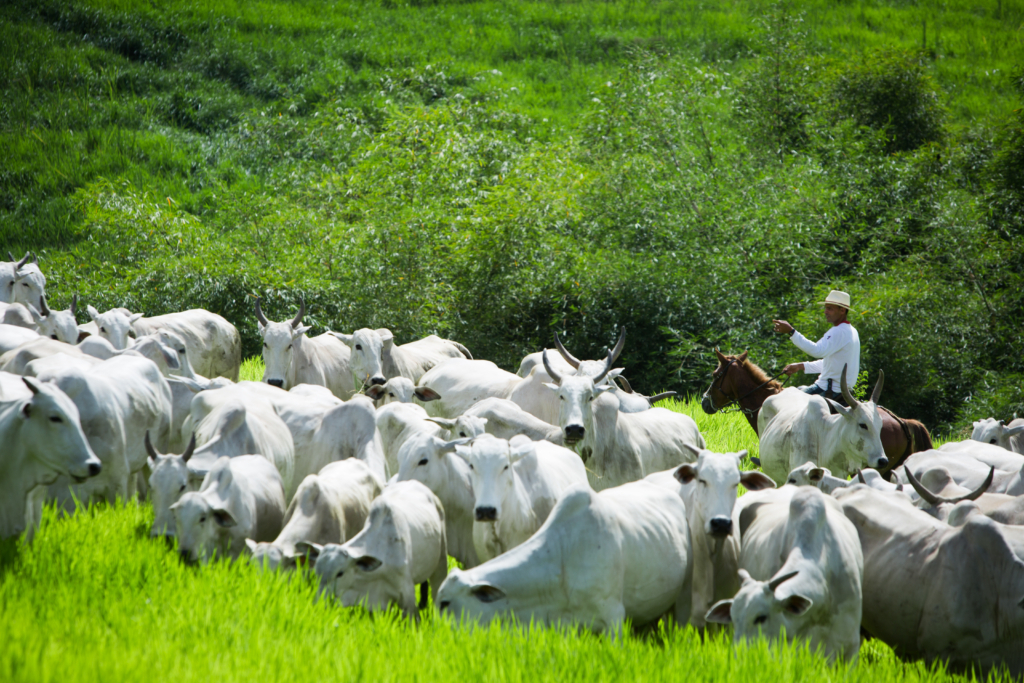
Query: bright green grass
{"points": [[95, 599]]}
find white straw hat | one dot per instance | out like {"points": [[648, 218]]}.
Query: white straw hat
{"points": [[838, 298]]}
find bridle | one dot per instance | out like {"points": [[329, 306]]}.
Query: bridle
{"points": [[717, 377]]}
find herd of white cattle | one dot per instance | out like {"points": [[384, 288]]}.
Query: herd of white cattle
{"points": [[565, 497]]}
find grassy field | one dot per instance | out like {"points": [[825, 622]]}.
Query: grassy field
{"points": [[95, 599]]}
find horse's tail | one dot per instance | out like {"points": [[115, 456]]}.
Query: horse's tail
{"points": [[922, 438]]}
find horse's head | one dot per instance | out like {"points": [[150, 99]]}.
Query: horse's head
{"points": [[725, 381]]}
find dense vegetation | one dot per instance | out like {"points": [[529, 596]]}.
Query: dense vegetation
{"points": [[495, 171], [94, 599]]}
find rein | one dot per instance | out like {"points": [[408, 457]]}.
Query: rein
{"points": [[738, 409]]}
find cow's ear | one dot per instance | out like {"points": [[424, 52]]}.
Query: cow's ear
{"points": [[300, 330], [520, 448], [796, 604], [310, 550], [487, 593], [720, 613], [93, 313], [684, 474], [223, 518], [386, 336], [375, 391], [347, 338], [754, 480], [250, 546], [449, 446], [552, 387], [134, 318], [443, 422], [840, 409], [424, 394], [368, 563], [602, 389], [1014, 431]]}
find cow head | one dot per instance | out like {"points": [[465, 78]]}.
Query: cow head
{"points": [[429, 460], [178, 347], [115, 325], [169, 480], [8, 276], [716, 478], [352, 578], [575, 394], [59, 325], [995, 432], [51, 434], [200, 527], [400, 390], [29, 283], [490, 463], [765, 608], [860, 433], [268, 556], [462, 596], [163, 356], [462, 427], [280, 341], [368, 350]]}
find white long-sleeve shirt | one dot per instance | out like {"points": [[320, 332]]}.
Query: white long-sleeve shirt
{"points": [[840, 346]]}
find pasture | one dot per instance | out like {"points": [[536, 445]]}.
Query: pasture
{"points": [[95, 599]]}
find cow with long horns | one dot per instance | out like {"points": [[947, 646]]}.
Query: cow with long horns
{"points": [[292, 358], [796, 427]]}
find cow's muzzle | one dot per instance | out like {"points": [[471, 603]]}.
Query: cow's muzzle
{"points": [[574, 433], [279, 383], [378, 381], [720, 526], [486, 514]]}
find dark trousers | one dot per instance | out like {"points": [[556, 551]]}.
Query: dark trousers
{"points": [[815, 390]]}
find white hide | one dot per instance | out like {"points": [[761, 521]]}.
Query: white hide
{"points": [[994, 455], [214, 347], [396, 424], [291, 358], [802, 570], [934, 591], [119, 401], [599, 559], [29, 284], [240, 498], [709, 488], [12, 336], [965, 469], [375, 358], [43, 440], [401, 545], [998, 433], [461, 383], [501, 418], [114, 325], [795, 427], [515, 485], [59, 325], [328, 507]]}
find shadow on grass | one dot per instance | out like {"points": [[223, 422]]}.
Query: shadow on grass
{"points": [[10, 554]]}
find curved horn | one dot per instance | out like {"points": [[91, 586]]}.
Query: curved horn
{"points": [[149, 447], [657, 397], [43, 308], [297, 320], [569, 358], [22, 261], [555, 377], [850, 400], [625, 384], [259, 314], [618, 348], [11, 256], [933, 499], [878, 387], [926, 495], [190, 448], [779, 580], [860, 477], [74, 303], [609, 361]]}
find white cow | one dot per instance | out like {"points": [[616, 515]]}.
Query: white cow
{"points": [[431, 461], [213, 344], [400, 390], [59, 325], [802, 570], [329, 507], [232, 421], [997, 432], [18, 359], [397, 423], [935, 591], [966, 470], [114, 325], [292, 358], [375, 358], [460, 383], [240, 498], [795, 427], [501, 418], [401, 545], [708, 487], [8, 278], [515, 485], [169, 479], [29, 283], [619, 447], [42, 439], [119, 401], [599, 559]]}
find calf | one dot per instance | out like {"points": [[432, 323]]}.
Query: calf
{"points": [[801, 570], [401, 545], [598, 559], [240, 498]]}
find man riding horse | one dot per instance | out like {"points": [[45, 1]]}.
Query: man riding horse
{"points": [[839, 348]]}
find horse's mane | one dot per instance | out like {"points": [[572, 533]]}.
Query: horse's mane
{"points": [[758, 375]]}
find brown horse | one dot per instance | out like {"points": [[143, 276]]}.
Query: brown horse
{"points": [[738, 381]]}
